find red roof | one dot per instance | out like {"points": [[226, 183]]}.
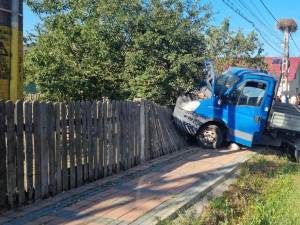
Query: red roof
{"points": [[274, 64]]}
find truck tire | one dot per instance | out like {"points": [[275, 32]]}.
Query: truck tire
{"points": [[210, 136]]}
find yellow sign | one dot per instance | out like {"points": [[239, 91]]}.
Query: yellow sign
{"points": [[5, 61], [5, 38], [11, 49]]}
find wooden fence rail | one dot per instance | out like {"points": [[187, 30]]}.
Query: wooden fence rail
{"points": [[47, 148]]}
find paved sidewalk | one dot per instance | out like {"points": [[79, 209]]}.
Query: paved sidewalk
{"points": [[141, 195]]}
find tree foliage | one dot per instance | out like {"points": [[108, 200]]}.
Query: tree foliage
{"points": [[124, 49], [229, 48]]}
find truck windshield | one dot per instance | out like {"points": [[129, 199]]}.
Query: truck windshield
{"points": [[224, 82]]}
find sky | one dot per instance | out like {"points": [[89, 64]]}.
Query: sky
{"points": [[253, 10]]}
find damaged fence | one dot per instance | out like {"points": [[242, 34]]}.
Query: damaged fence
{"points": [[47, 148]]}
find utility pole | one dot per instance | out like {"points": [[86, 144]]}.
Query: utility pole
{"points": [[11, 49], [287, 26]]}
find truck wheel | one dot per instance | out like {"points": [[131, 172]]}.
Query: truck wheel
{"points": [[210, 136]]}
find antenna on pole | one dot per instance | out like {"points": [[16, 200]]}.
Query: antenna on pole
{"points": [[287, 26]]}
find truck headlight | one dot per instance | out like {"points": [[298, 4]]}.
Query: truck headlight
{"points": [[190, 106]]}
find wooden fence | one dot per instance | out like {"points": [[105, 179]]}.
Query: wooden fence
{"points": [[47, 148]]}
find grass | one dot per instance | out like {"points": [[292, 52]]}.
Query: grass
{"points": [[266, 192]]}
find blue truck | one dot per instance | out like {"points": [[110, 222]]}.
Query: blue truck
{"points": [[239, 106]]}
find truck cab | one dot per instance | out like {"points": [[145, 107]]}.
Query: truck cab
{"points": [[236, 108]]}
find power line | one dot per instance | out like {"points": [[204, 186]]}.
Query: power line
{"points": [[295, 43], [262, 2], [237, 11], [270, 12], [259, 19]]}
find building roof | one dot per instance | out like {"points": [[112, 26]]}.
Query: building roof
{"points": [[274, 64]]}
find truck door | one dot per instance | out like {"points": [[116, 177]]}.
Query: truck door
{"points": [[246, 111]]}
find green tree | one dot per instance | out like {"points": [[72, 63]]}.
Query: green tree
{"points": [[123, 49], [229, 48]]}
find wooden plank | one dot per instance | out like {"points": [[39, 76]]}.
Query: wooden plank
{"points": [[100, 135], [84, 141], [162, 126], [105, 132], [138, 137], [142, 132], [44, 150], [89, 141], [94, 140], [122, 147], [137, 132], [147, 132], [65, 174], [51, 145], [29, 149], [176, 138], [131, 133], [167, 132], [151, 132], [171, 131], [159, 134], [114, 136], [20, 151], [58, 148], [117, 135], [11, 154], [71, 146], [109, 138], [134, 132], [37, 150], [78, 146], [3, 152], [125, 135]]}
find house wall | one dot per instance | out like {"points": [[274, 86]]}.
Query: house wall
{"points": [[295, 84]]}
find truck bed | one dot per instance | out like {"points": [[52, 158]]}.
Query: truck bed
{"points": [[285, 117]]}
